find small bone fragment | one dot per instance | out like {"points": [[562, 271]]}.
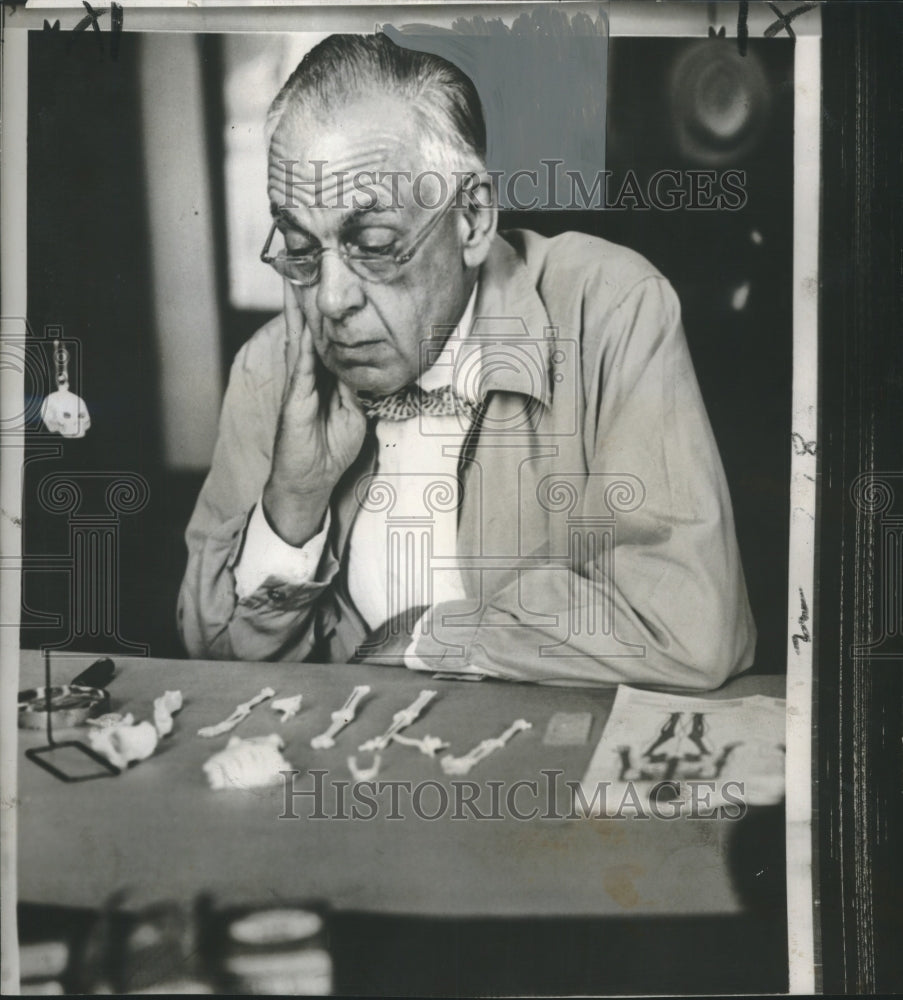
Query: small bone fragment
{"points": [[241, 712], [111, 719], [340, 718], [364, 773], [289, 707], [428, 745], [251, 763], [462, 765], [124, 743], [400, 720], [165, 707]]}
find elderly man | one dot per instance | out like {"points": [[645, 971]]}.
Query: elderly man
{"points": [[455, 450]]}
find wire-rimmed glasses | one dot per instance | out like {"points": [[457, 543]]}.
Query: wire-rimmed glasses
{"points": [[303, 267]]}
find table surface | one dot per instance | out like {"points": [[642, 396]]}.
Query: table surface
{"points": [[158, 832]]}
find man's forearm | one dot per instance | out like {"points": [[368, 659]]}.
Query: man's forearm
{"points": [[295, 517], [274, 620], [598, 637]]}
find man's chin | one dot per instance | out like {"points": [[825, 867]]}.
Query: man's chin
{"points": [[367, 371], [372, 381]]}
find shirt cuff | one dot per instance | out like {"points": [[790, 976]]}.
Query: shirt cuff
{"points": [[413, 662], [266, 558]]}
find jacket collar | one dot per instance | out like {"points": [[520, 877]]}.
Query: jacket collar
{"points": [[512, 334]]}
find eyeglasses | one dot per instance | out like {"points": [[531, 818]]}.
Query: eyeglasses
{"points": [[303, 267]]}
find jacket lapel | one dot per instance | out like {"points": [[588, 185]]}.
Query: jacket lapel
{"points": [[522, 436]]}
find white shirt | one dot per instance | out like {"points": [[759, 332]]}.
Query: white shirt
{"points": [[401, 554]]}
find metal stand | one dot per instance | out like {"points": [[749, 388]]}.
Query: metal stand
{"points": [[39, 754]]}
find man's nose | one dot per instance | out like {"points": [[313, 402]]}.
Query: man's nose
{"points": [[339, 290]]}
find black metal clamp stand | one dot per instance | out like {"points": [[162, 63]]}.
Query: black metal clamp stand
{"points": [[39, 754]]}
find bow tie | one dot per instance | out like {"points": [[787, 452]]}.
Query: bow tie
{"points": [[412, 400]]}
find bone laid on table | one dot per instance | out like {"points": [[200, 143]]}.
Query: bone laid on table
{"points": [[462, 765], [240, 714], [289, 707], [400, 720], [341, 718], [370, 773], [427, 745]]}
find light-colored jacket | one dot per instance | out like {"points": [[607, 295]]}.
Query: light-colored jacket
{"points": [[595, 533]]}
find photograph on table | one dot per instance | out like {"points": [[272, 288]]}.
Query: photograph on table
{"points": [[359, 353]]}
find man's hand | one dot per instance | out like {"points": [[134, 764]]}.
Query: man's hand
{"points": [[317, 439]]}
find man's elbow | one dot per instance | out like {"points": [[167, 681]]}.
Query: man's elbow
{"points": [[722, 651], [192, 639], [195, 638]]}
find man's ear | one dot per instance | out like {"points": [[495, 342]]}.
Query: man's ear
{"points": [[479, 221]]}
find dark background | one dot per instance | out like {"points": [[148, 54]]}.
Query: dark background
{"points": [[858, 766], [88, 267]]}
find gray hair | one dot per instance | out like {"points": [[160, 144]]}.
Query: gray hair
{"points": [[343, 68]]}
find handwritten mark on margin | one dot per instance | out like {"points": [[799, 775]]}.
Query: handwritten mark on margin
{"points": [[742, 28], [117, 18], [781, 24], [783, 20], [803, 634], [17, 522], [91, 18], [801, 446]]}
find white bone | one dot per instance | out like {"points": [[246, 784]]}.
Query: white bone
{"points": [[289, 707], [241, 712], [400, 720], [111, 719], [165, 707], [462, 765], [251, 763], [364, 773], [124, 743], [340, 718], [428, 745]]}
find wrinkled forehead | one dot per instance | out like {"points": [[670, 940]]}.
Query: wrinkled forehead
{"points": [[375, 147]]}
